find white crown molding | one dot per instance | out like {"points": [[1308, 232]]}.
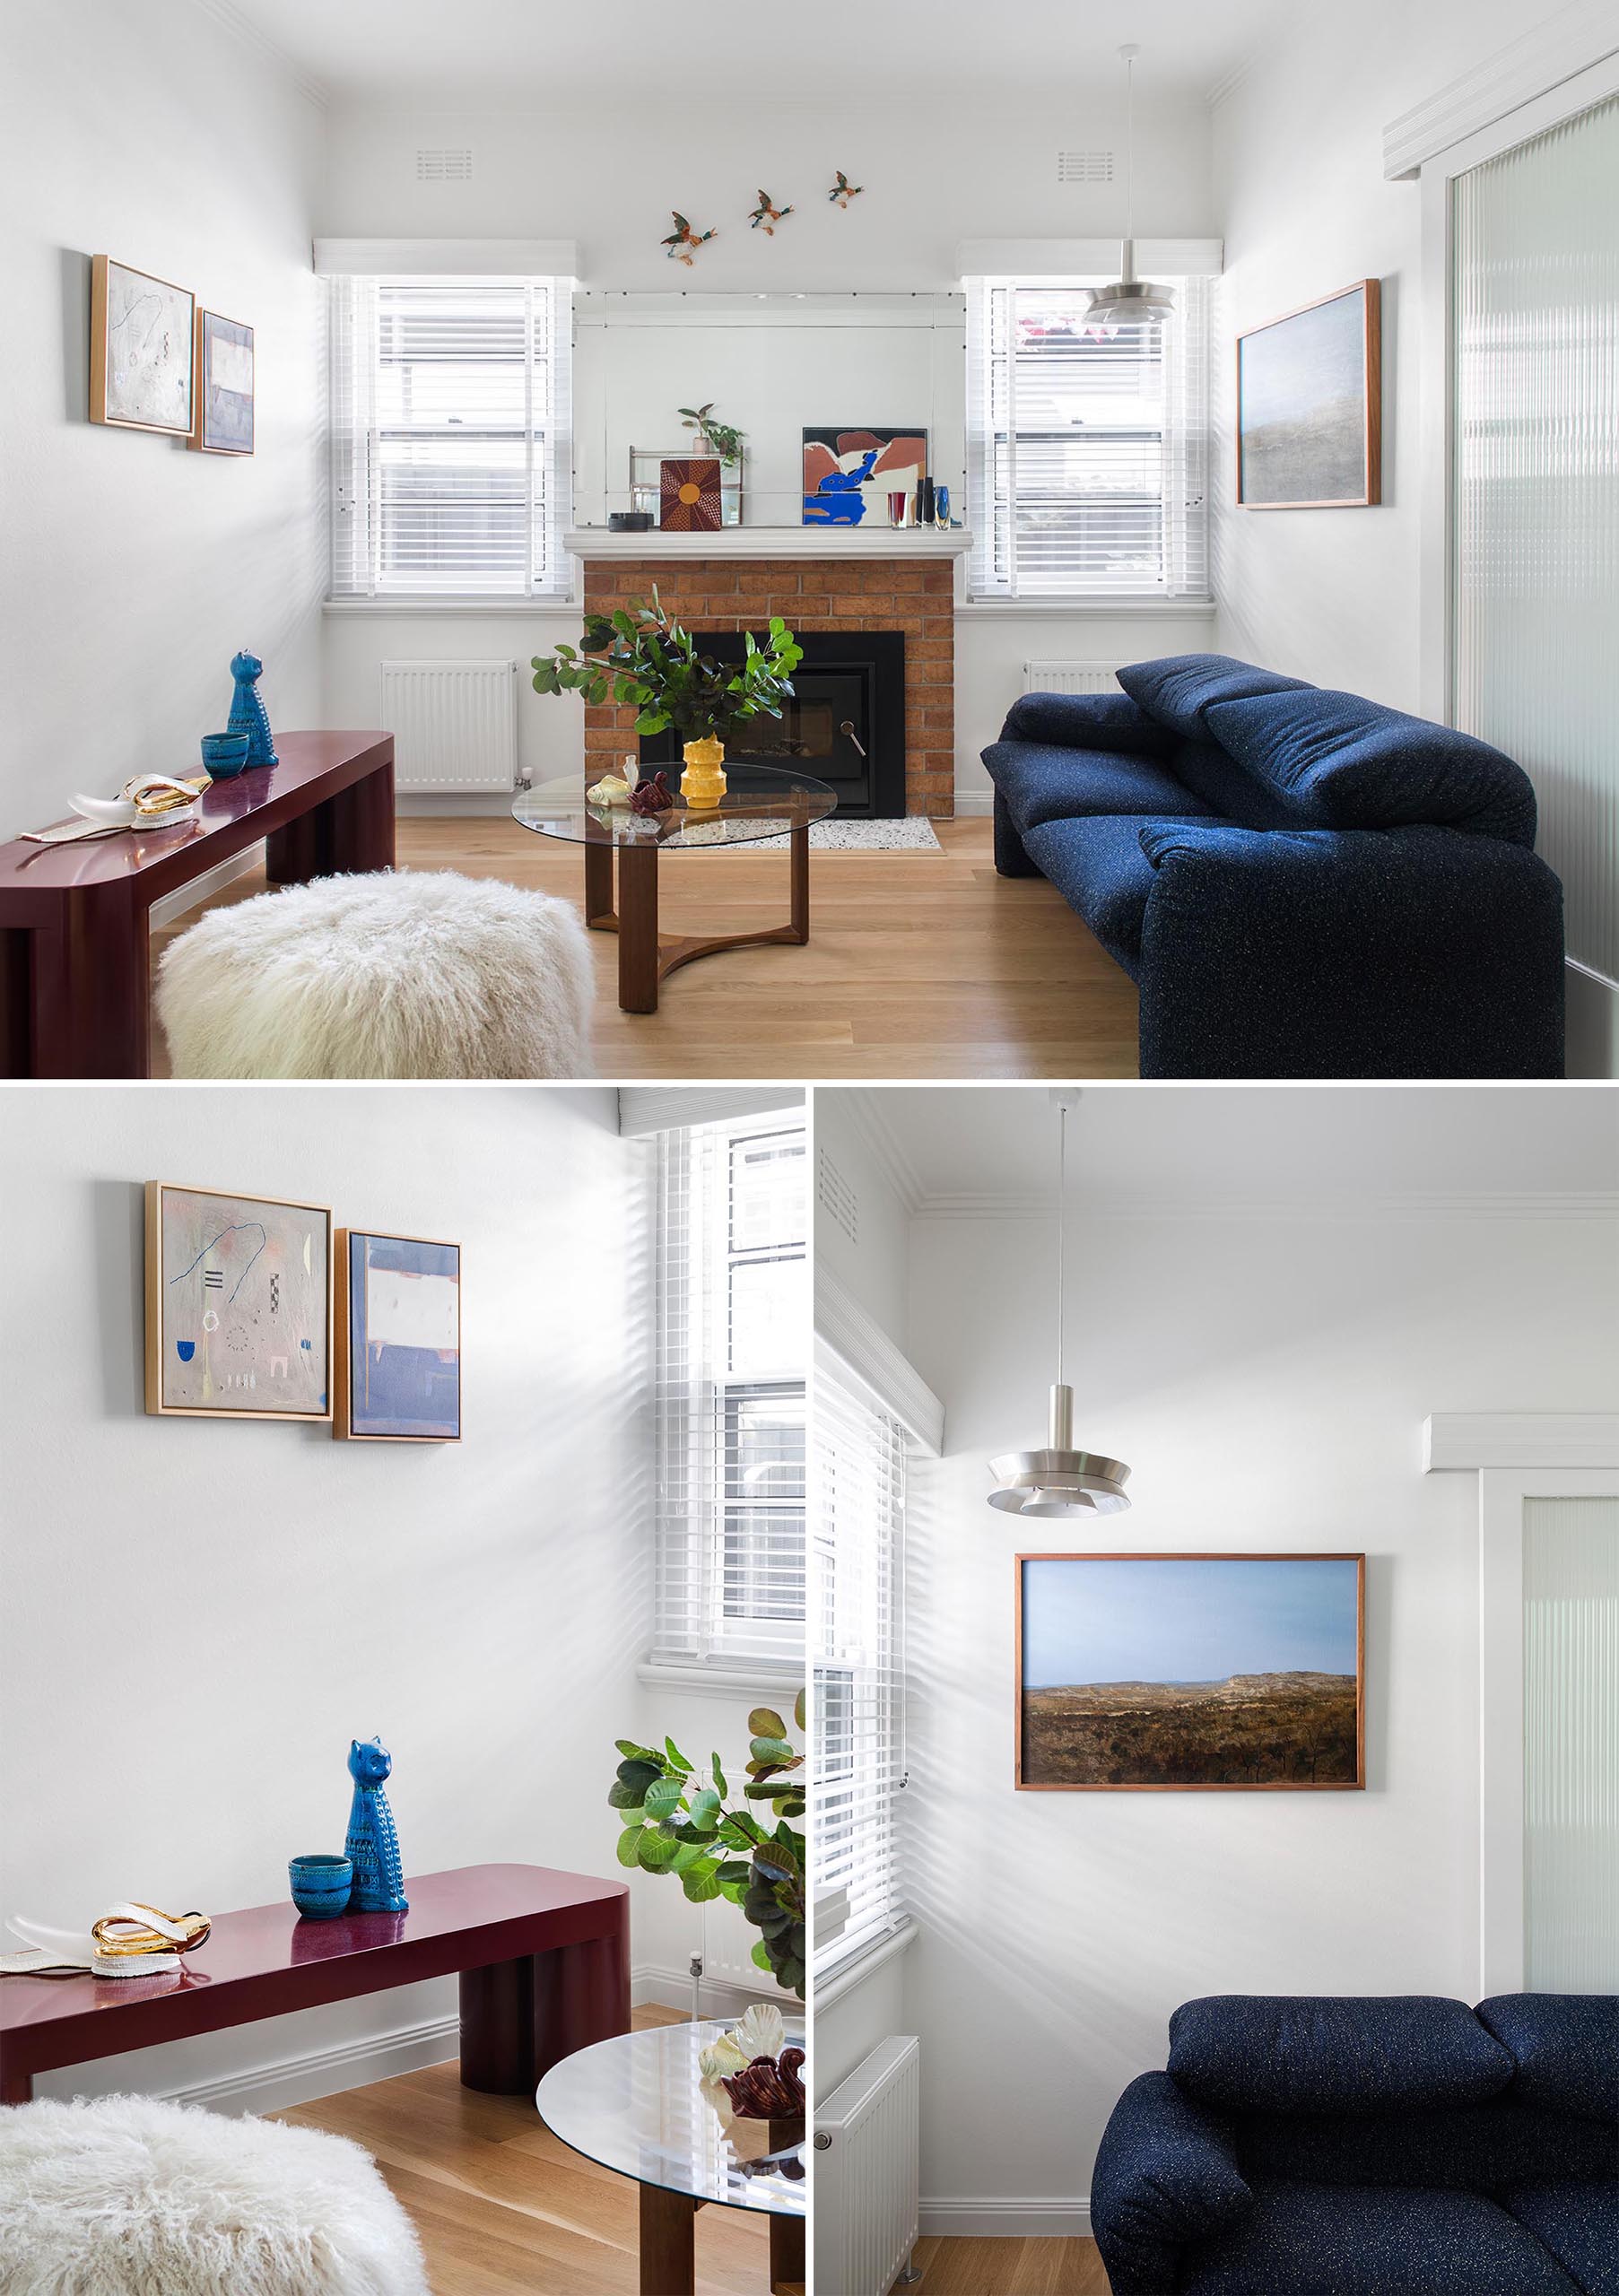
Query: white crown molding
{"points": [[1464, 1441], [1594, 1204], [1578, 37], [862, 1111], [995, 2219], [644, 1109], [312, 89]]}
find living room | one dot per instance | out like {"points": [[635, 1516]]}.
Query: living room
{"points": [[472, 300]]}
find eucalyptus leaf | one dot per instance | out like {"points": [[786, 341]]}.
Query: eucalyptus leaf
{"points": [[764, 1722]]}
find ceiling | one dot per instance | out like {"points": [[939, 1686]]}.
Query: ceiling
{"points": [[847, 51], [1170, 1147]]}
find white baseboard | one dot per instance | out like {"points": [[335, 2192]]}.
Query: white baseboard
{"points": [[176, 905], [974, 801], [324, 2072], [671, 1988], [1007, 2220]]}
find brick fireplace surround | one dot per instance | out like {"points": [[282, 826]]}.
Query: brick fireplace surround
{"points": [[887, 591]]}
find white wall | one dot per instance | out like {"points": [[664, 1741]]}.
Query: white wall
{"points": [[1267, 1381], [198, 1617], [133, 570]]}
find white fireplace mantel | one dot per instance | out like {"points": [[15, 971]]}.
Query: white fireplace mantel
{"points": [[773, 542]]}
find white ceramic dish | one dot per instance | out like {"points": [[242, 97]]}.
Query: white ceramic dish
{"points": [[119, 812]]}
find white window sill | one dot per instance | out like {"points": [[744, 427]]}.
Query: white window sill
{"points": [[1076, 609], [740, 1679], [418, 605], [847, 1975]]}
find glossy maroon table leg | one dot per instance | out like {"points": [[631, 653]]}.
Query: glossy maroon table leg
{"points": [[519, 2018], [86, 990], [351, 833]]}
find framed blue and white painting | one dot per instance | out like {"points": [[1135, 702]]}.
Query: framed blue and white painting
{"points": [[398, 1339], [224, 386], [1310, 399]]}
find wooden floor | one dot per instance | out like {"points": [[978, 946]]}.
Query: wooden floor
{"points": [[918, 965], [503, 2208], [1009, 2269]]}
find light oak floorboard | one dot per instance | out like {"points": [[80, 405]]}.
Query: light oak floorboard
{"points": [[503, 2208], [918, 965], [1041, 2267]]}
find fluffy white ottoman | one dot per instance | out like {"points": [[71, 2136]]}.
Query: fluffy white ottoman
{"points": [[123, 2196], [395, 975]]}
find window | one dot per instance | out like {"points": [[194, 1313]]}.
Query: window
{"points": [[1087, 448], [450, 447], [732, 1319], [859, 1766]]}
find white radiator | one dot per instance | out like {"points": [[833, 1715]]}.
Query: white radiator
{"points": [[1070, 677], [454, 726], [867, 2174]]}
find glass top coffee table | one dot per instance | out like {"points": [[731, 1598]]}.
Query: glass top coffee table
{"points": [[637, 2105], [761, 802]]}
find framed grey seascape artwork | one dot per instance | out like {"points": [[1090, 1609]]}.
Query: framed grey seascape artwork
{"points": [[238, 1304], [1310, 407], [141, 350], [224, 386]]}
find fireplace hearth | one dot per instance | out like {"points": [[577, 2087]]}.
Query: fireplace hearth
{"points": [[845, 723]]}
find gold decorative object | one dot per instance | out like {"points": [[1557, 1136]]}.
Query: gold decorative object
{"points": [[135, 1929], [703, 785]]}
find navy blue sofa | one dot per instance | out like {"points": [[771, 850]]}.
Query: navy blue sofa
{"points": [[1302, 883], [1387, 2147]]}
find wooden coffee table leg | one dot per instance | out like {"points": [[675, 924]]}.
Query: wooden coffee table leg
{"points": [[599, 884], [668, 2242], [637, 928], [787, 2252], [800, 867]]}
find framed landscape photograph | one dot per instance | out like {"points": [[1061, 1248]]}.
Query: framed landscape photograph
{"points": [[1310, 398], [224, 386], [238, 1304], [1201, 1673], [141, 350], [398, 1339]]}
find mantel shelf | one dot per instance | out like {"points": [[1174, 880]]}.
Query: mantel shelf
{"points": [[773, 541]]}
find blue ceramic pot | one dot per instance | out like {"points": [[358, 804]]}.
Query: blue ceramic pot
{"points": [[321, 1886], [224, 754]]}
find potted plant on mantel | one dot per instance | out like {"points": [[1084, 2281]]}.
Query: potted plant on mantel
{"points": [[642, 658]]}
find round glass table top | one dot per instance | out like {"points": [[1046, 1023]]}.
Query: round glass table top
{"points": [[760, 800], [638, 2105]]}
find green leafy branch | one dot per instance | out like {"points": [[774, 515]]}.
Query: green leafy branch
{"points": [[678, 1819], [725, 438], [642, 658]]}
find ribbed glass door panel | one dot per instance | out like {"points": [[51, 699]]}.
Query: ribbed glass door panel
{"points": [[1570, 1651], [1535, 666]]}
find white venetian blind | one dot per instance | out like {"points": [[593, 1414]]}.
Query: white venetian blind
{"points": [[1535, 668], [1571, 1619], [731, 1336], [450, 435], [859, 1767], [1087, 445]]}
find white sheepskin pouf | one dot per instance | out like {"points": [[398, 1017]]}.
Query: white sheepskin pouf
{"points": [[124, 2196], [395, 975]]}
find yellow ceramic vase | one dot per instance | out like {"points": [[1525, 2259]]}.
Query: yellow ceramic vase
{"points": [[703, 781]]}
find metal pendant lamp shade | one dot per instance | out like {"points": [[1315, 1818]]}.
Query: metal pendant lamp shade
{"points": [[1059, 1481], [1128, 300]]}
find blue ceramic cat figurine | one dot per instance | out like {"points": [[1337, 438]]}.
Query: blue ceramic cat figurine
{"points": [[248, 714], [372, 1844]]}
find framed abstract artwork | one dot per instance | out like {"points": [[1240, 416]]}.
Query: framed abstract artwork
{"points": [[1165, 1672], [398, 1339], [689, 499], [142, 346], [238, 1304], [224, 386], [1310, 407], [849, 475]]}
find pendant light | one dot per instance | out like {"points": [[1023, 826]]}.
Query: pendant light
{"points": [[1059, 1480], [1129, 299]]}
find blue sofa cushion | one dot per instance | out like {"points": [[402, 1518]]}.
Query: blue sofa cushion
{"points": [[1565, 2047], [1095, 721], [1579, 2223], [1205, 768], [1309, 2054], [1335, 761], [1337, 2240], [1178, 689], [1463, 2148], [1042, 783], [1100, 869]]}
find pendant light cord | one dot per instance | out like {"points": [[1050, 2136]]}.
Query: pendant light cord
{"points": [[1129, 150]]}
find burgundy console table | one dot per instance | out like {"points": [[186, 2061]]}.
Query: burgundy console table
{"points": [[544, 1960], [75, 976]]}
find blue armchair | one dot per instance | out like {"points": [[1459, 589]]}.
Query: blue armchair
{"points": [[1302, 882], [1386, 2147]]}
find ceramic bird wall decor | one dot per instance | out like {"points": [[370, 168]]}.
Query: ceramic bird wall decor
{"points": [[682, 241], [767, 215], [843, 191]]}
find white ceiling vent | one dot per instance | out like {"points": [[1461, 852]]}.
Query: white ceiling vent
{"points": [[444, 165], [1085, 167], [837, 1198]]}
